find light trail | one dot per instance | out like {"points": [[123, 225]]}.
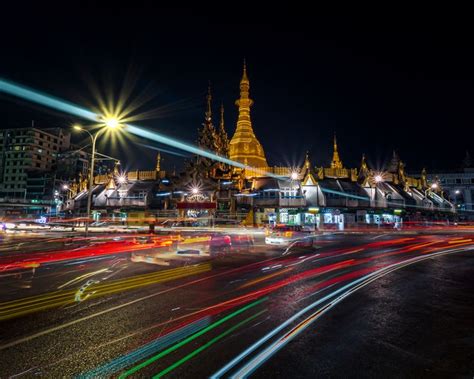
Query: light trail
{"points": [[145, 351], [66, 107], [163, 150], [208, 344], [21, 307], [343, 292], [266, 277], [63, 106], [190, 338], [127, 304]]}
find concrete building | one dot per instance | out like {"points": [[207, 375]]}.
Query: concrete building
{"points": [[27, 159], [458, 187]]}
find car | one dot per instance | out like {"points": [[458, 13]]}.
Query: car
{"points": [[286, 235], [184, 248], [241, 241]]}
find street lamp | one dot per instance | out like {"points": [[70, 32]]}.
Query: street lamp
{"points": [[122, 178], [195, 190], [378, 178], [109, 123], [294, 175]]}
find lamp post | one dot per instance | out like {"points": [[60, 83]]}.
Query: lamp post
{"points": [[110, 123], [456, 193]]}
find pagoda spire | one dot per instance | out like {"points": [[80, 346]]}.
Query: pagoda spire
{"points": [[307, 161], [222, 136], [244, 146], [336, 161], [158, 162], [245, 78], [221, 123], [208, 113]]}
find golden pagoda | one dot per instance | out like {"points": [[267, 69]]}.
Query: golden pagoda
{"points": [[244, 146], [336, 161]]}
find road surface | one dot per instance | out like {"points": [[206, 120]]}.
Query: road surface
{"points": [[352, 305]]}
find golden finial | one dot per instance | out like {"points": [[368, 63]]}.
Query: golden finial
{"points": [[307, 163], [336, 161], [363, 163], [158, 162], [244, 75]]}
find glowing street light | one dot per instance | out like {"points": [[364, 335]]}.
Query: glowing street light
{"points": [[457, 192], [378, 179], [122, 178], [65, 187], [195, 190], [434, 186], [294, 175], [109, 123]]}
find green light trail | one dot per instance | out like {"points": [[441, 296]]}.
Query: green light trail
{"points": [[205, 346], [190, 338]]}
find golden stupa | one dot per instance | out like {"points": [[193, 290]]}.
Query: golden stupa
{"points": [[244, 146]]}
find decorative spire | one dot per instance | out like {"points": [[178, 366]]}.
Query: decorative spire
{"points": [[336, 161], [158, 162], [307, 162], [222, 136], [116, 170], [394, 163], [364, 169], [221, 124], [423, 179], [208, 113]]}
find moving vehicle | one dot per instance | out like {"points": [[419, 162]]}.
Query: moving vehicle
{"points": [[285, 235], [185, 248]]}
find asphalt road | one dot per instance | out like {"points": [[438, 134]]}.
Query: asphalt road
{"points": [[354, 305]]}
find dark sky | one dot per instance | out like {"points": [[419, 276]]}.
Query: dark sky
{"points": [[381, 82]]}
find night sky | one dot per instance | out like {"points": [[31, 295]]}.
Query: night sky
{"points": [[381, 83]]}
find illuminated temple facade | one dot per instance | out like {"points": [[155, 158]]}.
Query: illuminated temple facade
{"points": [[331, 194]]}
